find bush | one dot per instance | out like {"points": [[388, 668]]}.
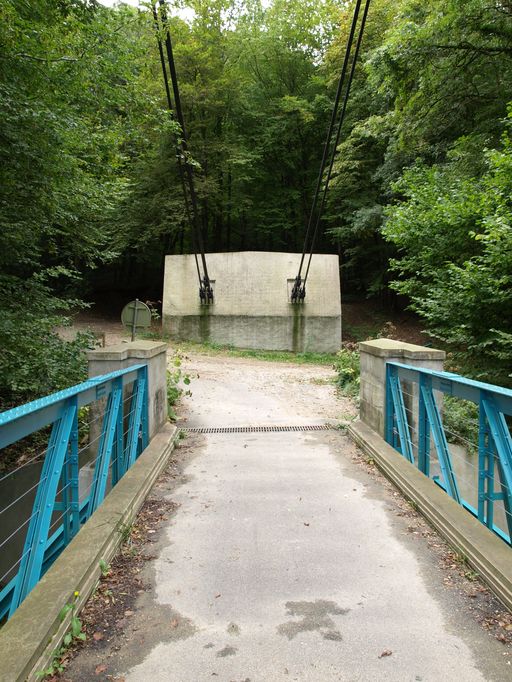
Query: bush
{"points": [[347, 365], [34, 360], [175, 377]]}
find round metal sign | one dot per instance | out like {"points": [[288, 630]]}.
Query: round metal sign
{"points": [[136, 316]]}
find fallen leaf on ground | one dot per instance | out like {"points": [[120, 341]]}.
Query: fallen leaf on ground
{"points": [[386, 652], [97, 636], [100, 668]]}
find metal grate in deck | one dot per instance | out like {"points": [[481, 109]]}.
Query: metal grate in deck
{"points": [[257, 429]]}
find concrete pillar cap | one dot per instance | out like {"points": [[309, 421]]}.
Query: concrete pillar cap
{"points": [[389, 348], [139, 349]]}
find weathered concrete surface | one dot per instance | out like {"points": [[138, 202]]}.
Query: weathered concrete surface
{"points": [[374, 355], [489, 555], [35, 630], [252, 306], [285, 561], [123, 355]]}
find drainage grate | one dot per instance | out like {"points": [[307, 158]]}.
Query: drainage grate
{"points": [[257, 429]]}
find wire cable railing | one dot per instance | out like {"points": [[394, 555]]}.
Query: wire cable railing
{"points": [[88, 452], [471, 458]]}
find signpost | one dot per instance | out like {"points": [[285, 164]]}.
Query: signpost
{"points": [[136, 316]]}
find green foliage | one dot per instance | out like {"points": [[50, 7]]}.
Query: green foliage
{"points": [[35, 361], [454, 231], [176, 378], [347, 366], [75, 110], [76, 633], [88, 175], [104, 568], [125, 531], [460, 419]]}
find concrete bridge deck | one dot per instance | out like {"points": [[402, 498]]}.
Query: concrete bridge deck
{"points": [[286, 560]]}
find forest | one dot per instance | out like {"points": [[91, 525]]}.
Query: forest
{"points": [[419, 208]]}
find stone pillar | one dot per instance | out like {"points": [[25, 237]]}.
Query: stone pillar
{"points": [[152, 353], [374, 355]]}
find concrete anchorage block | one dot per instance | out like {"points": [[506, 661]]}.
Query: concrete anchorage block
{"points": [[252, 306]]}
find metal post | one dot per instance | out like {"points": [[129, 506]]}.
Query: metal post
{"points": [[443, 451], [37, 534], [134, 325], [423, 432], [401, 416], [108, 433], [136, 415]]}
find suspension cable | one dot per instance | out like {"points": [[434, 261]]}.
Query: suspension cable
{"points": [[338, 135], [205, 289], [299, 287], [178, 150]]}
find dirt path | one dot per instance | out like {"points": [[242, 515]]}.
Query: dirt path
{"points": [[258, 393], [282, 556]]}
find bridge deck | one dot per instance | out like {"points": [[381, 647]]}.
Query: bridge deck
{"points": [[286, 559]]}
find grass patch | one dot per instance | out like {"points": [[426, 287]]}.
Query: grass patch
{"points": [[268, 355]]}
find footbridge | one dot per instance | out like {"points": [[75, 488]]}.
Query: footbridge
{"points": [[287, 554]]}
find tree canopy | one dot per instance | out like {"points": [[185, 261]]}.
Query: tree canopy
{"points": [[91, 199]]}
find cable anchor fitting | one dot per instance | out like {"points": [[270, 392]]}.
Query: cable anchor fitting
{"points": [[206, 292], [298, 291]]}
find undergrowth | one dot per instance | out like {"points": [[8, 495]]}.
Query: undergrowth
{"points": [[347, 366], [176, 380]]}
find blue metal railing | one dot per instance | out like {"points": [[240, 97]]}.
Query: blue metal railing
{"points": [[414, 427], [62, 501]]}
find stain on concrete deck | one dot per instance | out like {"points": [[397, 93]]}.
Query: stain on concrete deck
{"points": [[314, 617]]}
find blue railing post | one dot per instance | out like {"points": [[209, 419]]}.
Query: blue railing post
{"points": [[118, 468], [108, 433], [39, 526], [390, 410], [58, 509], [74, 480], [143, 375], [438, 434], [485, 469], [400, 414], [136, 440], [494, 438], [423, 432], [503, 444]]}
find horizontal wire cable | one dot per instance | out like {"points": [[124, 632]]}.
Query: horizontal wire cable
{"points": [[19, 528], [14, 502], [15, 564], [54, 523], [10, 473]]}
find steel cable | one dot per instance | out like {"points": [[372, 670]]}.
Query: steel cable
{"points": [[299, 288]]}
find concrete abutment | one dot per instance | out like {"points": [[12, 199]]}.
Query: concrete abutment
{"points": [[252, 306]]}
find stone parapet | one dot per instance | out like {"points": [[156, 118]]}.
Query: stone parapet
{"points": [[123, 355], [374, 355]]}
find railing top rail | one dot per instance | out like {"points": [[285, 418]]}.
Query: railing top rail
{"points": [[450, 376], [19, 422]]}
